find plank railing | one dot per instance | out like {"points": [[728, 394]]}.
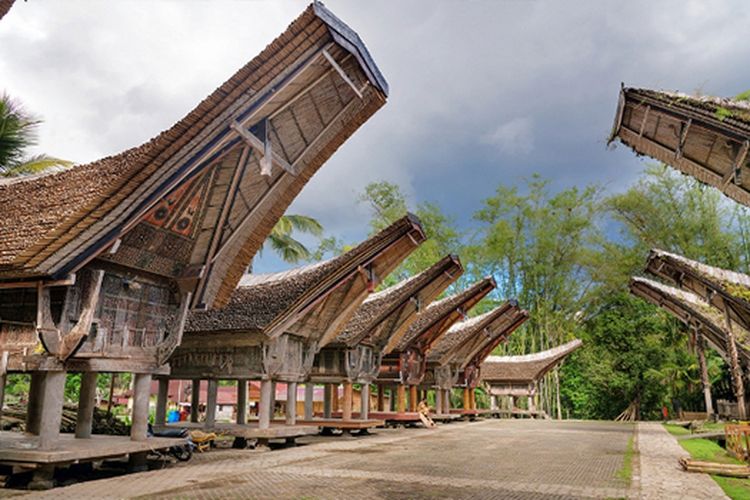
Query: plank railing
{"points": [[738, 441]]}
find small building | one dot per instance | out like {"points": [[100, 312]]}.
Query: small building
{"points": [[519, 376]]}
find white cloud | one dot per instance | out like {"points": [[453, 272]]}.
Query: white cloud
{"points": [[515, 137]]}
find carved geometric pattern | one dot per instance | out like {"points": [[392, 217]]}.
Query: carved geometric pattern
{"points": [[179, 210]]}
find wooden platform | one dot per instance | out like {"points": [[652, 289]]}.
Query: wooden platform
{"points": [[277, 430], [17, 448], [445, 417], [347, 425]]}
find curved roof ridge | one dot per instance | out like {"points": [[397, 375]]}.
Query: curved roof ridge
{"points": [[549, 354]]}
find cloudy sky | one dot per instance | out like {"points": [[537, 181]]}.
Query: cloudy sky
{"points": [[482, 92]]}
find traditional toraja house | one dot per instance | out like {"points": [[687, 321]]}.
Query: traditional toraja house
{"points": [[374, 330], [100, 263], [455, 359], [406, 364], [5, 6], [519, 376], [705, 137], [725, 295], [274, 325]]}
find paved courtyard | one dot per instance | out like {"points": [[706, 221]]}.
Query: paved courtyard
{"points": [[488, 459]]}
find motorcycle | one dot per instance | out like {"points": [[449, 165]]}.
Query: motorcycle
{"points": [[183, 452]]}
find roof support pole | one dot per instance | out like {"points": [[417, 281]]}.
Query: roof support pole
{"points": [[413, 398], [439, 401], [734, 362], [327, 400], [211, 400], [401, 399], [346, 409], [264, 408]]}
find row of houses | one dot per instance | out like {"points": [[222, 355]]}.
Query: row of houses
{"points": [[135, 263]]}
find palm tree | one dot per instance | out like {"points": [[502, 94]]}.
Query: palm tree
{"points": [[18, 132], [286, 246]]}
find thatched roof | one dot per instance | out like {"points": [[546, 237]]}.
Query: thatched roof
{"points": [[526, 368], [705, 137], [438, 317], [385, 316], [301, 300], [54, 223], [466, 339], [5, 6], [694, 312]]}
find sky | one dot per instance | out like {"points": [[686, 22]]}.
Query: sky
{"points": [[483, 93]]}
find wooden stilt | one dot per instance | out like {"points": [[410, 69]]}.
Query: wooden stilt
{"points": [[36, 397], [241, 401], [3, 380], [413, 396], [273, 399], [446, 401], [264, 408], [291, 403], [439, 401], [141, 393], [467, 399], [211, 400], [401, 405], [327, 400], [346, 410], [381, 397], [53, 391], [86, 404], [160, 417], [309, 400], [705, 381], [335, 398], [195, 400], [364, 407]]}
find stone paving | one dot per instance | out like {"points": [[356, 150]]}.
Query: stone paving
{"points": [[509, 459], [660, 474]]}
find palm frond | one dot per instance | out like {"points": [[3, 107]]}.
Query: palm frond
{"points": [[34, 165]]}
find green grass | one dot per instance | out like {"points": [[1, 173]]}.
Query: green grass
{"points": [[626, 471], [705, 449], [678, 430]]}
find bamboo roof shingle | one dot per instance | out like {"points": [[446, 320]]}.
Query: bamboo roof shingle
{"points": [[5, 6], [281, 302], [705, 137], [527, 368], [693, 311], [293, 91], [385, 316]]}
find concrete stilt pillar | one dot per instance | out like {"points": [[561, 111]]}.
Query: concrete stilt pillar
{"points": [[86, 404], [327, 400], [195, 400], [413, 396], [53, 391], [211, 400], [439, 401], [381, 397], [160, 417], [141, 393], [291, 403], [241, 402], [34, 408], [364, 407], [346, 407], [264, 408], [309, 400], [401, 404]]}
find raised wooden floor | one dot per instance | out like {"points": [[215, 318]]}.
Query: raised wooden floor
{"points": [[339, 423], [445, 417], [17, 448], [277, 430]]}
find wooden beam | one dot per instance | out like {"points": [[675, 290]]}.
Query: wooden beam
{"points": [[341, 73], [69, 281], [683, 136], [643, 123], [264, 149]]}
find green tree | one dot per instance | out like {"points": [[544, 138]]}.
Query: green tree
{"points": [[282, 241], [18, 132]]}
